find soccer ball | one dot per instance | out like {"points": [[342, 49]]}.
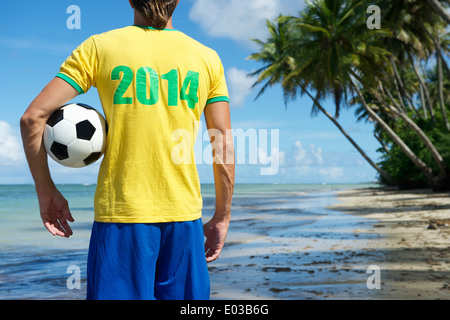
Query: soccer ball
{"points": [[75, 135]]}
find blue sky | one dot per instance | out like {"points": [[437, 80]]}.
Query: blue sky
{"points": [[35, 40]]}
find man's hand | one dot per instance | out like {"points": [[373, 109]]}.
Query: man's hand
{"points": [[215, 232], [55, 213]]}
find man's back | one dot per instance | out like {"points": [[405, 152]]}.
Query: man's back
{"points": [[153, 85]]}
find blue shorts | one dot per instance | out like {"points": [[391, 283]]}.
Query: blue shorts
{"points": [[132, 261]]}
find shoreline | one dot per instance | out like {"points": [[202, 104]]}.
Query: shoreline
{"points": [[312, 253], [325, 252], [414, 230], [283, 243]]}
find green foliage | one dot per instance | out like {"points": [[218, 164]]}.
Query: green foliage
{"points": [[400, 167], [328, 52]]}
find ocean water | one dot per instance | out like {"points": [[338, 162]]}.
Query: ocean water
{"points": [[36, 265]]}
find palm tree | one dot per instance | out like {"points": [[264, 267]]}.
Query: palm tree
{"points": [[337, 45], [432, 78], [416, 31], [428, 172], [440, 61], [416, 35], [338, 28], [329, 50], [279, 64], [439, 8]]}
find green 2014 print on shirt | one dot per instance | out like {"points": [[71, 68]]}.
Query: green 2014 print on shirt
{"points": [[189, 89]]}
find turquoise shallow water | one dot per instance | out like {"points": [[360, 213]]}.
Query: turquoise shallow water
{"points": [[34, 264]]}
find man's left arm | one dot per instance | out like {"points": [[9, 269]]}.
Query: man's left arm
{"points": [[217, 117], [53, 206]]}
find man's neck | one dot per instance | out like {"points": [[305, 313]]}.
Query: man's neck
{"points": [[140, 21]]}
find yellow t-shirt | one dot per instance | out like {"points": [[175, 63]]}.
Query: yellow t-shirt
{"points": [[153, 86]]}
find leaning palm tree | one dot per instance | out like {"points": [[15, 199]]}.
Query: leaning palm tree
{"points": [[330, 51], [417, 36], [440, 9], [343, 54], [355, 56], [279, 64]]}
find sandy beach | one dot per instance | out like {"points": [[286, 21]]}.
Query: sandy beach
{"points": [[414, 229], [292, 242], [325, 252]]}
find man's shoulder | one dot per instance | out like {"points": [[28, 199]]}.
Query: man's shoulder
{"points": [[196, 44], [127, 34], [111, 34]]}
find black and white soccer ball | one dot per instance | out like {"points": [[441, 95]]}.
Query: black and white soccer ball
{"points": [[75, 135]]}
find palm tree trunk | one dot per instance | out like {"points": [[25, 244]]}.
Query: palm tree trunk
{"points": [[400, 106], [444, 64], [441, 82], [422, 100], [411, 124], [440, 10], [424, 87], [382, 143], [440, 66], [383, 173], [427, 171], [402, 89]]}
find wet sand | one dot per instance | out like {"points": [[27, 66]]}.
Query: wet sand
{"points": [[325, 252], [414, 227]]}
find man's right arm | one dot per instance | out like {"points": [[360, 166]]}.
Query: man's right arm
{"points": [[217, 116]]}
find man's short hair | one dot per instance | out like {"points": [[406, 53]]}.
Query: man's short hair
{"points": [[157, 12]]}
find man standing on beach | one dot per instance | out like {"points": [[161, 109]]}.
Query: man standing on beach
{"points": [[147, 239]]}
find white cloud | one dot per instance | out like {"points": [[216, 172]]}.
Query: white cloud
{"points": [[35, 44], [11, 152], [239, 85], [332, 172], [275, 154], [309, 161], [317, 153], [240, 20], [274, 160], [300, 153], [300, 156]]}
